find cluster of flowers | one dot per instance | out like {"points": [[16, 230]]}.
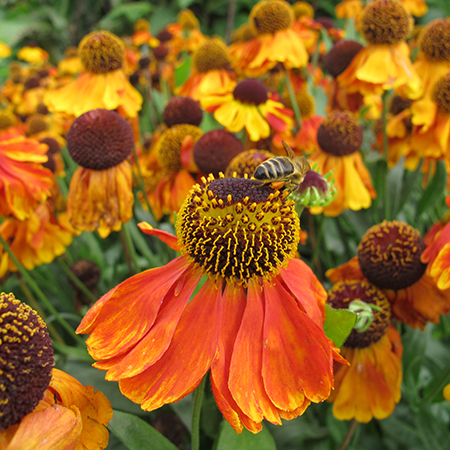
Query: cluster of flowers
{"points": [[256, 324]]}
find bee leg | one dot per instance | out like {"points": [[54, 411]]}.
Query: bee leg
{"points": [[277, 185]]}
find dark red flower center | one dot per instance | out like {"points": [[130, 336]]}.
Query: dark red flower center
{"points": [[251, 91]]}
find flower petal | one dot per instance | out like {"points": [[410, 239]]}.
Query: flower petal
{"points": [[297, 360], [189, 356], [169, 239]]}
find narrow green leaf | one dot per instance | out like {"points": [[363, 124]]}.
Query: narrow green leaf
{"points": [[394, 185], [137, 434], [434, 190], [338, 324], [230, 440]]}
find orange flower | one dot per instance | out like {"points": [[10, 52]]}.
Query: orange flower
{"points": [[339, 138], [416, 8], [256, 323], [42, 408], [384, 63], [36, 240], [431, 120], [71, 64], [24, 182], [249, 105], [142, 34], [100, 195], [437, 255], [275, 41], [370, 386], [398, 271], [210, 71], [103, 83]]}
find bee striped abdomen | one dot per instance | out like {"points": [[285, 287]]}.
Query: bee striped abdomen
{"points": [[274, 168]]}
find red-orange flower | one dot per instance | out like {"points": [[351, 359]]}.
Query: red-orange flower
{"points": [[24, 182], [256, 323], [370, 386]]}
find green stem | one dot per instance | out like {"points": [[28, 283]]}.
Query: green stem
{"points": [[348, 437], [33, 302], [78, 283], [298, 116], [387, 199], [141, 186], [196, 411], [37, 290], [130, 251], [316, 243]]}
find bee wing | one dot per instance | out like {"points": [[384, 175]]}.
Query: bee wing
{"points": [[303, 165], [289, 151]]}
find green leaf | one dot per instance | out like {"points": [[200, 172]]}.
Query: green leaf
{"points": [[338, 324], [230, 440], [182, 72], [128, 11], [434, 190], [137, 434], [183, 4]]}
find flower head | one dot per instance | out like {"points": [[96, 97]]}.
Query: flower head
{"points": [[249, 105], [182, 110], [103, 83], [100, 196], [339, 138], [370, 386], [257, 322]]}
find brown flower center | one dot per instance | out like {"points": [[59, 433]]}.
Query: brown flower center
{"points": [[269, 16], [340, 56], [305, 102], [435, 40], [251, 91], [236, 229], [385, 22], [389, 255], [441, 94], [182, 110], [212, 55], [7, 119], [26, 360], [342, 294], [187, 20], [399, 104], [101, 52], [303, 9], [215, 150], [100, 139], [340, 134]]}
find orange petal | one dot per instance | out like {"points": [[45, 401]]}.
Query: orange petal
{"points": [[167, 238], [157, 340], [297, 360], [189, 356], [233, 310], [306, 288], [246, 382], [52, 428], [131, 307]]}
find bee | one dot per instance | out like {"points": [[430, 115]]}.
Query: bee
{"points": [[283, 171]]}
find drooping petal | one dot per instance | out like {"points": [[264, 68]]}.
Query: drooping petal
{"points": [[191, 352], [233, 310], [153, 345], [297, 360], [131, 307], [306, 288], [246, 382]]}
